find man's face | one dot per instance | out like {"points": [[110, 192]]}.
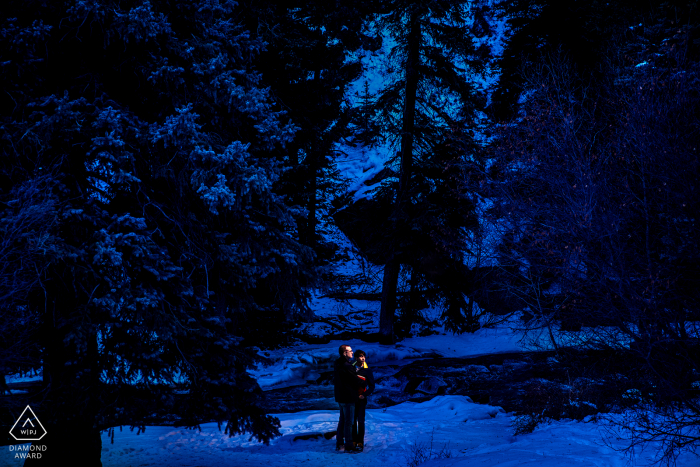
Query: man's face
{"points": [[348, 353], [361, 359]]}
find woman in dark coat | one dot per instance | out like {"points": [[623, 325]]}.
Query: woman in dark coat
{"points": [[363, 371]]}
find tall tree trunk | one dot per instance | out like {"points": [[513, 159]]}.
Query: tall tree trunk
{"points": [[293, 151], [69, 411], [386, 319], [313, 160], [393, 266], [313, 186], [413, 298], [409, 113]]}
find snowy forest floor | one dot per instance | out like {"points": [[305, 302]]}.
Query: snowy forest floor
{"points": [[471, 434], [474, 435]]}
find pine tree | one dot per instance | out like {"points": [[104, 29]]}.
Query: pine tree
{"points": [[430, 106], [309, 63], [162, 153]]}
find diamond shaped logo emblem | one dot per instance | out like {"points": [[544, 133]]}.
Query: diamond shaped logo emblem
{"points": [[28, 427]]}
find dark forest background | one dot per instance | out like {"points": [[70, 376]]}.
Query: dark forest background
{"points": [[168, 167]]}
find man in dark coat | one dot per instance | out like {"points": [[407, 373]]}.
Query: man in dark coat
{"points": [[364, 372], [345, 384]]}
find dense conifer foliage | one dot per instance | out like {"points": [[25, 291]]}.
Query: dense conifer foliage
{"points": [[140, 161], [308, 63]]}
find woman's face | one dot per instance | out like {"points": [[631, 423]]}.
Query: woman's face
{"points": [[361, 358]]}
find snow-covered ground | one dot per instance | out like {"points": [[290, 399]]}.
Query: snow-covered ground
{"points": [[473, 434]]}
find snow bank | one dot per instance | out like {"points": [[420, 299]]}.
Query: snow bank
{"points": [[474, 435]]}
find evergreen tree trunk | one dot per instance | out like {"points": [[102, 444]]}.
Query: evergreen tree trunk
{"points": [[393, 266], [293, 153], [409, 113], [413, 298], [313, 158], [386, 319], [313, 187], [69, 415]]}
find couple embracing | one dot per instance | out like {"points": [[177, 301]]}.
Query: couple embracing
{"points": [[353, 383]]}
